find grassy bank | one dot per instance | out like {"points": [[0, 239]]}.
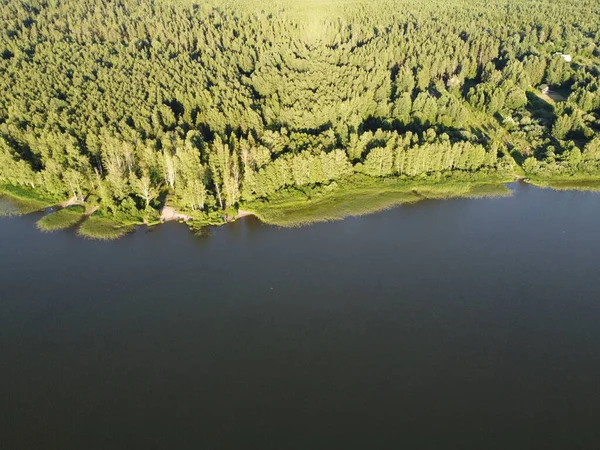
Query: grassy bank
{"points": [[103, 228], [61, 219], [568, 184], [23, 200], [296, 208]]}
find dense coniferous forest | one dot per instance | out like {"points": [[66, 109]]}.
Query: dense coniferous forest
{"points": [[128, 104]]}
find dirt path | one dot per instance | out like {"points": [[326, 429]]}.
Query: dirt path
{"points": [[89, 210], [74, 201], [552, 97], [169, 213]]}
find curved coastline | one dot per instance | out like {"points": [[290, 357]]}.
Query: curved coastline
{"points": [[289, 209]]}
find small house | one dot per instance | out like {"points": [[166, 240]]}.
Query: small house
{"points": [[544, 89], [567, 58]]}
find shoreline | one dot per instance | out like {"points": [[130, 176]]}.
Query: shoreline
{"points": [[324, 204], [292, 210], [243, 213], [591, 184]]}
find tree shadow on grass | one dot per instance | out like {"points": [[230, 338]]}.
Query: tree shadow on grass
{"points": [[540, 109]]}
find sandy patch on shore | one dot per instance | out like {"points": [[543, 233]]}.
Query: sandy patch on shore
{"points": [[169, 213], [241, 213]]}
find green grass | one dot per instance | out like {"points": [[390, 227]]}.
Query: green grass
{"points": [[63, 218], [103, 228], [573, 184], [22, 200], [339, 201]]}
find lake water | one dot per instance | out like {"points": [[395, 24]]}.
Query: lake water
{"points": [[471, 324]]}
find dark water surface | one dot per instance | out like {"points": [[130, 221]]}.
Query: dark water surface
{"points": [[471, 324]]}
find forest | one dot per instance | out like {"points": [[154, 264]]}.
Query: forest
{"points": [[122, 106]]}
